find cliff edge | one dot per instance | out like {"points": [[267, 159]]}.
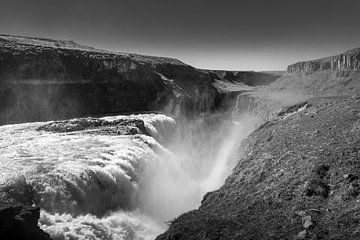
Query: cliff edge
{"points": [[347, 61]]}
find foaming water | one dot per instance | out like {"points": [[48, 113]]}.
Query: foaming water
{"points": [[116, 225], [198, 160], [96, 186]]}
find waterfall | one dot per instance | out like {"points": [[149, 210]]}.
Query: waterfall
{"points": [[95, 185]]}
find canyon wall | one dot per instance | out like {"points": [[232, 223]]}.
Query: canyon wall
{"points": [[350, 60], [42, 79], [336, 75], [249, 78], [297, 177]]}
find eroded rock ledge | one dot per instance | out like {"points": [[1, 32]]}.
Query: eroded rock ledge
{"points": [[298, 179]]}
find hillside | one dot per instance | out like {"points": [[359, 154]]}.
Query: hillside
{"points": [[297, 179], [42, 79]]}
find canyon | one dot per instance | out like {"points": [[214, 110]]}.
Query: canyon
{"points": [[297, 174], [43, 79], [112, 145]]}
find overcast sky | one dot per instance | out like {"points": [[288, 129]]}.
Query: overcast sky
{"points": [[221, 34]]}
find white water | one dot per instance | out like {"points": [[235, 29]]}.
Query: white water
{"points": [[118, 187]]}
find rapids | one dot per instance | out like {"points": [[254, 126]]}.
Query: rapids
{"points": [[100, 186]]}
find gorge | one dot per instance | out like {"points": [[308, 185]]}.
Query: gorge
{"points": [[124, 146]]}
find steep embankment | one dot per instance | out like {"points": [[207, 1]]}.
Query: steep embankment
{"points": [[298, 179], [43, 79]]}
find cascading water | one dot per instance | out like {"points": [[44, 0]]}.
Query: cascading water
{"points": [[101, 186]]}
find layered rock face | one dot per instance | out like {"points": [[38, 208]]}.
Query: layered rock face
{"points": [[350, 60], [43, 79], [337, 75], [248, 78], [19, 222]]}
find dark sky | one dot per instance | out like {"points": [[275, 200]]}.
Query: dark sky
{"points": [[221, 34]]}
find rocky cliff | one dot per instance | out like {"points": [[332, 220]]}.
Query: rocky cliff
{"points": [[350, 60], [249, 78], [42, 79]]}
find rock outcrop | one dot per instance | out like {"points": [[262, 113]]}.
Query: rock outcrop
{"points": [[298, 179], [126, 126], [348, 61], [20, 223], [42, 79]]}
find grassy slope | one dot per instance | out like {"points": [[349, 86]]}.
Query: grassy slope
{"points": [[325, 83]]}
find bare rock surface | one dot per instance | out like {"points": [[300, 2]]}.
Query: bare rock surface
{"points": [[298, 179], [20, 223]]}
